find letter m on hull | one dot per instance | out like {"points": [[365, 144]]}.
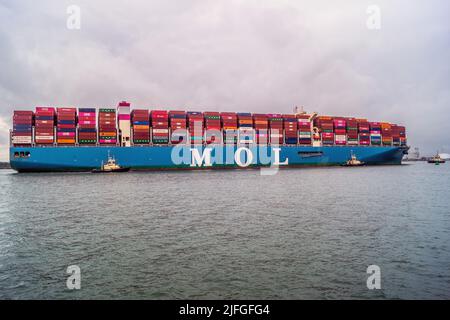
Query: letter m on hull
{"points": [[198, 160]]}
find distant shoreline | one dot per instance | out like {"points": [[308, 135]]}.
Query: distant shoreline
{"points": [[5, 165]]}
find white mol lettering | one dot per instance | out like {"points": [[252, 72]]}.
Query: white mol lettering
{"points": [[198, 160], [276, 156], [205, 158], [237, 157]]}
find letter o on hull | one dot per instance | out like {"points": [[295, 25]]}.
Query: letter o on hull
{"points": [[237, 157]]}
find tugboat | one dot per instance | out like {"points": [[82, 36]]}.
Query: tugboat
{"points": [[436, 159], [110, 166], [353, 162]]}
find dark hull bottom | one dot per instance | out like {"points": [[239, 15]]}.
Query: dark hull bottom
{"points": [[215, 168], [86, 159]]}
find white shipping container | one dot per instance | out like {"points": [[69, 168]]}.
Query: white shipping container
{"points": [[123, 110], [246, 130], [21, 139], [340, 137], [160, 130], [37, 138], [86, 114]]}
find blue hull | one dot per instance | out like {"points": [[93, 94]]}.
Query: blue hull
{"points": [[37, 159]]}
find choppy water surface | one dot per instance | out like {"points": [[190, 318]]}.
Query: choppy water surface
{"points": [[302, 233]]}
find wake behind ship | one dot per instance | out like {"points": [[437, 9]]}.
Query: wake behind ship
{"points": [[67, 139]]}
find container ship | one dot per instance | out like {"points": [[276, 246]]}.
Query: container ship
{"points": [[71, 139]]}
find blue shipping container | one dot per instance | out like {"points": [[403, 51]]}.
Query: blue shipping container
{"points": [[66, 130], [66, 121], [44, 118], [87, 130]]}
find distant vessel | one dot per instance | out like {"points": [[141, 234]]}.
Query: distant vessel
{"points": [[436, 159], [110, 166]]}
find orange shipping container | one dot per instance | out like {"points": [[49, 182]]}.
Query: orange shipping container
{"points": [[66, 140], [107, 134], [141, 127]]}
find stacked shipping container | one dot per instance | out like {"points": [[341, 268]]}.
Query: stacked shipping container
{"points": [[160, 126], [178, 127], [276, 128], [87, 126], [395, 135], [107, 126], [229, 126], [340, 131], [44, 130], [212, 127], [364, 132], [375, 133], [304, 129], [352, 131], [261, 125], [243, 128], [66, 126], [246, 133], [140, 120], [196, 130], [386, 134], [22, 128], [326, 129], [402, 134], [290, 129]]}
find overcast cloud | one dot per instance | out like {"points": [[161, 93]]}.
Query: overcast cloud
{"points": [[257, 56]]}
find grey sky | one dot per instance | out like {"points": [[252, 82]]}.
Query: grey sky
{"points": [[260, 56]]}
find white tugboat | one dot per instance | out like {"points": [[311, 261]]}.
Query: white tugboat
{"points": [[436, 159], [353, 162], [110, 166]]}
